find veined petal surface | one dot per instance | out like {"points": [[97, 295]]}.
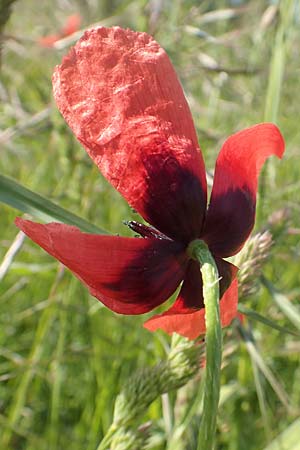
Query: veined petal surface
{"points": [[231, 213], [120, 95], [128, 275]]}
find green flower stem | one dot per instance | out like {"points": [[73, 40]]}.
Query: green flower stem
{"points": [[199, 251], [180, 366]]}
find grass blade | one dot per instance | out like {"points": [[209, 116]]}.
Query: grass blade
{"points": [[20, 394], [283, 303], [27, 201], [288, 439], [261, 395], [278, 65], [262, 319], [262, 366]]}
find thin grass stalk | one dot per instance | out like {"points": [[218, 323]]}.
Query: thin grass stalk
{"points": [[177, 438], [57, 370], [278, 61], [264, 369], [11, 253], [274, 88], [19, 399], [261, 398], [283, 303], [265, 321]]}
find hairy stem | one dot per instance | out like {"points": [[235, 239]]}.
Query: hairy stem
{"points": [[199, 251]]}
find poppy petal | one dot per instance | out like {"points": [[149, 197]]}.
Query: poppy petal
{"points": [[179, 318], [48, 41], [120, 95], [190, 296], [128, 275], [72, 25], [231, 213]]}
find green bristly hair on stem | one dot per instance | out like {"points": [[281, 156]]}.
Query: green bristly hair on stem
{"points": [[200, 252]]}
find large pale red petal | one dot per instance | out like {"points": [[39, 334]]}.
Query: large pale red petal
{"points": [[119, 93], [231, 213], [180, 318], [128, 275]]}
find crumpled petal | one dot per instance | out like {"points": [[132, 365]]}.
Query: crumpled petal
{"points": [[180, 318], [128, 275], [231, 213], [120, 95]]}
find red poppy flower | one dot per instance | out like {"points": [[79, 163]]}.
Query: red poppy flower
{"points": [[72, 24], [120, 95]]}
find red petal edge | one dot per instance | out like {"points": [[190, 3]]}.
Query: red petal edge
{"points": [[231, 213], [48, 41], [128, 275], [71, 25], [120, 95], [192, 325]]}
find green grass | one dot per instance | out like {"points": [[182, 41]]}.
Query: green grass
{"points": [[64, 357]]}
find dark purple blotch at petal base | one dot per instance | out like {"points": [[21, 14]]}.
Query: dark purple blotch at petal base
{"points": [[190, 297], [229, 221], [149, 279], [176, 202], [128, 275]]}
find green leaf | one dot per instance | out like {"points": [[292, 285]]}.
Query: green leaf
{"points": [[269, 323], [21, 198], [288, 439]]}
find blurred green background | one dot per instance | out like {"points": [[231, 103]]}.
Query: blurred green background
{"points": [[63, 356]]}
